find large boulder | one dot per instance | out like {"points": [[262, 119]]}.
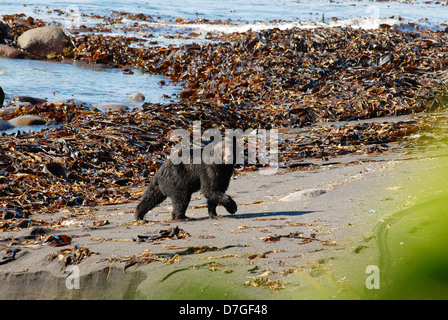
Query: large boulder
{"points": [[44, 40]]}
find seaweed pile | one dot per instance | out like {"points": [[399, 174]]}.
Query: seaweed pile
{"points": [[325, 142], [271, 79], [92, 158], [295, 76]]}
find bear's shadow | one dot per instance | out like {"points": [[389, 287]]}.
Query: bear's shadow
{"points": [[260, 215], [267, 214]]}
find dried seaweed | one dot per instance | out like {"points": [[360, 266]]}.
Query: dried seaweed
{"points": [[71, 256], [270, 79], [172, 233]]}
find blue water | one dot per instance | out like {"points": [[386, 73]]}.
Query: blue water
{"points": [[93, 85], [242, 10], [102, 86]]}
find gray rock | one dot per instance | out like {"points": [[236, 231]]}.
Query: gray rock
{"points": [[303, 194], [44, 40], [113, 108], [5, 125], [13, 53], [7, 111]]}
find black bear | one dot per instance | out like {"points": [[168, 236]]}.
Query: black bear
{"points": [[178, 181]]}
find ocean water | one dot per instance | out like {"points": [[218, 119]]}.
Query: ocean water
{"points": [[104, 86], [241, 10], [93, 85]]}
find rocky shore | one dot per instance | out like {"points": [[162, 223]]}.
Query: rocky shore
{"points": [[274, 79]]}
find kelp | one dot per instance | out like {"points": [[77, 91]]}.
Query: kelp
{"points": [[269, 79], [295, 77]]}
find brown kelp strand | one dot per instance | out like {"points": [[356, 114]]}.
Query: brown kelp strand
{"points": [[19, 23], [324, 142]]}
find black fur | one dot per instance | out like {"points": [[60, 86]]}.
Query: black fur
{"points": [[179, 181]]}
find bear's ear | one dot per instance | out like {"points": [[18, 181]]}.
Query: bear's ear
{"points": [[212, 152], [180, 152], [221, 151], [233, 146]]}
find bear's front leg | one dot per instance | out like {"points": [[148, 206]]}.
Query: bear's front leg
{"points": [[180, 205]]}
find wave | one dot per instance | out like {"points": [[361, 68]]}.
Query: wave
{"points": [[204, 28], [364, 23]]}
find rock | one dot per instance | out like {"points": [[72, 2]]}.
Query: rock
{"points": [[13, 53], [2, 97], [5, 125], [4, 33], [303, 194], [137, 97], [27, 120], [7, 111], [58, 103], [70, 101], [15, 101], [113, 107], [44, 40]]}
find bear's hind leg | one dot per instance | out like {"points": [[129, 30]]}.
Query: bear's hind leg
{"points": [[229, 204], [215, 197], [211, 205], [151, 198]]}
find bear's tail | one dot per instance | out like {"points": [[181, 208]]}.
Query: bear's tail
{"points": [[151, 198]]}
